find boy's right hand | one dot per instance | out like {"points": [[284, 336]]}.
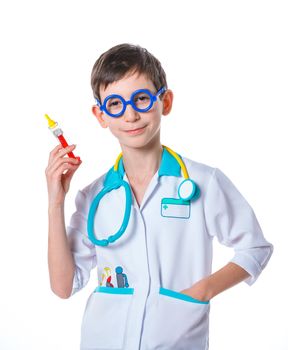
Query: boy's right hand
{"points": [[59, 173]]}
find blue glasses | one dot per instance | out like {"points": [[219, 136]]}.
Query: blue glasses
{"points": [[141, 100]]}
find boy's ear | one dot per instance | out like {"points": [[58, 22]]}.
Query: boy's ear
{"points": [[167, 102], [99, 115]]}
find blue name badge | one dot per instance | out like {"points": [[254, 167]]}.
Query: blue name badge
{"points": [[175, 208]]}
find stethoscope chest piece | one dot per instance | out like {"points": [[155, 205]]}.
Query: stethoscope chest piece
{"points": [[188, 190]]}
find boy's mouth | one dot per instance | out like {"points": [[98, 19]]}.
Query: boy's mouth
{"points": [[135, 131]]}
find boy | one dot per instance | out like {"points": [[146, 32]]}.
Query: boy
{"points": [[154, 272]]}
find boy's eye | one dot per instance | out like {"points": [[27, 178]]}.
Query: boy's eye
{"points": [[113, 103], [142, 97], [142, 100]]}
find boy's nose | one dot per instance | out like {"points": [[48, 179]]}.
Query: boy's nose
{"points": [[130, 114]]}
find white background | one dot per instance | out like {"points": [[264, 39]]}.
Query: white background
{"points": [[226, 62]]}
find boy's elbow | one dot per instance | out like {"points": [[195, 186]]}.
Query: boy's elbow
{"points": [[63, 293]]}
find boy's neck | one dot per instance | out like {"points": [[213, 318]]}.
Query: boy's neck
{"points": [[141, 164]]}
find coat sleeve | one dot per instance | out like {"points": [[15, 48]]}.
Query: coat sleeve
{"points": [[83, 250], [232, 220]]}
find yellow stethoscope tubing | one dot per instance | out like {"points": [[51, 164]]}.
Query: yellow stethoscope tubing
{"points": [[180, 161]]}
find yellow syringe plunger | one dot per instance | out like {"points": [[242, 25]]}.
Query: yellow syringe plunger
{"points": [[51, 122]]}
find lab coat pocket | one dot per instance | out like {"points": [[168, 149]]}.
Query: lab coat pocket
{"points": [[175, 208], [178, 322], [105, 317]]}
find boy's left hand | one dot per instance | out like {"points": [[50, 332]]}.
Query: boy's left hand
{"points": [[207, 288], [198, 291]]}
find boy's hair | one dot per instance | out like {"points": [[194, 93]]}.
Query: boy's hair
{"points": [[115, 63]]}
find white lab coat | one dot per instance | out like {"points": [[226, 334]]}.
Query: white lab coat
{"points": [[160, 255]]}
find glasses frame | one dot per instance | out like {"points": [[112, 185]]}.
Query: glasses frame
{"points": [[153, 98]]}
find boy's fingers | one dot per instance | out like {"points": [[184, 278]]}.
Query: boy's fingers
{"points": [[55, 150], [62, 151], [59, 151], [60, 161], [64, 161], [57, 169], [70, 173]]}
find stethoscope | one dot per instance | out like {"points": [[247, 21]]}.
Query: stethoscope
{"points": [[187, 191]]}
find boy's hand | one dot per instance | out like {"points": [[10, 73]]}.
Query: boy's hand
{"points": [[207, 288], [198, 291], [59, 173]]}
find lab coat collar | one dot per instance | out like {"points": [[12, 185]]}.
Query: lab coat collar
{"points": [[168, 166]]}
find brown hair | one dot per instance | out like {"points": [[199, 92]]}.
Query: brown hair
{"points": [[115, 63]]}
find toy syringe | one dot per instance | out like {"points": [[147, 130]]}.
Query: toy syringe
{"points": [[57, 132]]}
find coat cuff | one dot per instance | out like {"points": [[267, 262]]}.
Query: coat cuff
{"points": [[251, 265], [78, 282]]}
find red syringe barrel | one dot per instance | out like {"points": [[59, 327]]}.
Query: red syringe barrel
{"points": [[64, 143]]}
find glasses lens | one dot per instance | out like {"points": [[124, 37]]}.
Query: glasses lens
{"points": [[114, 105], [142, 101]]}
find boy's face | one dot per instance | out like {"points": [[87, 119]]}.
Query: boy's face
{"points": [[134, 129]]}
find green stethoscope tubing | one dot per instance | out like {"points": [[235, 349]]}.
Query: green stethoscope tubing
{"points": [[193, 193]]}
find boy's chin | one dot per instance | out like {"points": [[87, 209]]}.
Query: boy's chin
{"points": [[139, 144]]}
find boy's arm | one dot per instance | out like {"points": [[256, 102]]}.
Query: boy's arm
{"points": [[218, 282], [59, 173], [60, 259], [231, 219]]}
